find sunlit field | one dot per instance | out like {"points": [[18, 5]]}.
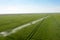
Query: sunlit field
{"points": [[47, 29]]}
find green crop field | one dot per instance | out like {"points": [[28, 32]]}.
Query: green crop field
{"points": [[47, 29], [12, 21]]}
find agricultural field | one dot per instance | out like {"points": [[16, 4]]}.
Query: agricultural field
{"points": [[46, 29], [12, 21]]}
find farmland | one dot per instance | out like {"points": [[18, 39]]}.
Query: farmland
{"points": [[11, 21], [47, 29]]}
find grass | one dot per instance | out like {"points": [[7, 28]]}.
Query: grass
{"points": [[12, 21], [48, 29]]}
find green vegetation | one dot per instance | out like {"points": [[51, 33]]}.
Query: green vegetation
{"points": [[47, 29], [8, 22]]}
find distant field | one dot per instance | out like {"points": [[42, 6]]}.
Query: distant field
{"points": [[48, 29], [12, 21]]}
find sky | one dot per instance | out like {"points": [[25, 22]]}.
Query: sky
{"points": [[29, 6]]}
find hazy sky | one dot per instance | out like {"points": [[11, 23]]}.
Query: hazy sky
{"points": [[29, 6]]}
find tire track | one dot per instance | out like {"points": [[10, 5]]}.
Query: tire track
{"points": [[34, 31]]}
